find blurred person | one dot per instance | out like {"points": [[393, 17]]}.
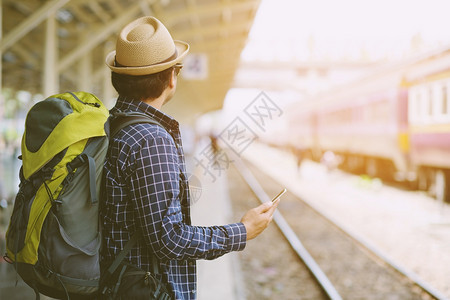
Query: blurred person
{"points": [[146, 187], [214, 144], [330, 160], [298, 154]]}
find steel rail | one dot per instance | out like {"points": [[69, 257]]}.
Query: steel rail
{"points": [[363, 243], [414, 278], [289, 234]]}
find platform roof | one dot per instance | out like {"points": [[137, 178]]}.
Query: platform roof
{"points": [[59, 45]]}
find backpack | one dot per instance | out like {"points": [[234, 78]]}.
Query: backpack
{"points": [[53, 238]]}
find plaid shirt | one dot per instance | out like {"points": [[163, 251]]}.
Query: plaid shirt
{"points": [[147, 192]]}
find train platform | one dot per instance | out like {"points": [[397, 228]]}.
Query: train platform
{"points": [[210, 205], [407, 227], [217, 279]]}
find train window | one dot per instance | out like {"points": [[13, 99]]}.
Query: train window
{"points": [[442, 109], [426, 104], [441, 101], [422, 107], [429, 102], [435, 101], [445, 100]]}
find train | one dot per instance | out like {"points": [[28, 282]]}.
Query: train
{"points": [[392, 124]]}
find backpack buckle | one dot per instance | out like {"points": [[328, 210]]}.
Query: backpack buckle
{"points": [[75, 163], [57, 203]]}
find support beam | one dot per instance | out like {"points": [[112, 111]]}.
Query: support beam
{"points": [[85, 72], [115, 7], [99, 36], [99, 73], [80, 14], [171, 18], [49, 8], [235, 41], [99, 11], [227, 13], [50, 78], [194, 18], [2, 101], [108, 90], [191, 32], [1, 55], [25, 55]]}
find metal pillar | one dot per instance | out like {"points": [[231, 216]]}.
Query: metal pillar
{"points": [[85, 71], [99, 36], [2, 101], [108, 90], [46, 10], [50, 78]]}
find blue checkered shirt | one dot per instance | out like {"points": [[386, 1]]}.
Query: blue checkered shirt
{"points": [[147, 192]]}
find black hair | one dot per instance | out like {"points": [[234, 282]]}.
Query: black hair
{"points": [[141, 87]]}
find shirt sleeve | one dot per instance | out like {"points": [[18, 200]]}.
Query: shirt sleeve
{"points": [[155, 190]]}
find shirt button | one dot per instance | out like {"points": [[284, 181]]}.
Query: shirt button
{"points": [[193, 291]]}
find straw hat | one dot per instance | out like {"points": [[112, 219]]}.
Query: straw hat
{"points": [[144, 47]]}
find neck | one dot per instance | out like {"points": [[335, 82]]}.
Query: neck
{"points": [[166, 95], [156, 103]]}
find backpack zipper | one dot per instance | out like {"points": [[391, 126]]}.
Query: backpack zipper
{"points": [[85, 103]]}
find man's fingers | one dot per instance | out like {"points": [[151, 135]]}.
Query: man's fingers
{"points": [[273, 207], [264, 207], [267, 207]]}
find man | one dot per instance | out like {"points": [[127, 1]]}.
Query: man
{"points": [[147, 192]]}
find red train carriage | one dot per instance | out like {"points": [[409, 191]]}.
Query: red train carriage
{"points": [[429, 123], [364, 130], [394, 124], [363, 122]]}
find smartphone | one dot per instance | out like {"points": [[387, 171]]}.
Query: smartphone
{"points": [[279, 195]]}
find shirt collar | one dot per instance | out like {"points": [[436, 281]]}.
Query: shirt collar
{"points": [[136, 105]]}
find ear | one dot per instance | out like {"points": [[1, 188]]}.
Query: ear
{"points": [[173, 79]]}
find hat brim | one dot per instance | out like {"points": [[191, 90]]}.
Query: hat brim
{"points": [[182, 50]]}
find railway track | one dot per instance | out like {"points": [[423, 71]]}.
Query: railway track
{"points": [[341, 265]]}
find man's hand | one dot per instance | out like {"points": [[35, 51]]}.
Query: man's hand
{"points": [[258, 218]]}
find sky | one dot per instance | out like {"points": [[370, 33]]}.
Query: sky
{"points": [[336, 30], [352, 29]]}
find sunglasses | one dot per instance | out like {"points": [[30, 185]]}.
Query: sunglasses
{"points": [[178, 68]]}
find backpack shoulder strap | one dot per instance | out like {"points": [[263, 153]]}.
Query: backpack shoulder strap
{"points": [[118, 121], [121, 256], [121, 120]]}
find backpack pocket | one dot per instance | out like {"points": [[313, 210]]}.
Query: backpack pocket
{"points": [[73, 269], [64, 256], [19, 220]]}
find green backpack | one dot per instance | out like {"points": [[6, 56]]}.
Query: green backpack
{"points": [[53, 238]]}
